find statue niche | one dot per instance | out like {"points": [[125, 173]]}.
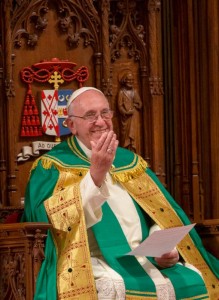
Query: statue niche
{"points": [[129, 105]]}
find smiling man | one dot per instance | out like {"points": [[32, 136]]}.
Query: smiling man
{"points": [[103, 201]]}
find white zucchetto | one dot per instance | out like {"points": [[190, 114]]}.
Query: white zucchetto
{"points": [[80, 91]]}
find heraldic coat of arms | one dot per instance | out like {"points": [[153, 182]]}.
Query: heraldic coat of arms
{"points": [[52, 105]]}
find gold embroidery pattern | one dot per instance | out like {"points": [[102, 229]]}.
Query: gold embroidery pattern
{"points": [[135, 169], [77, 280], [151, 199], [74, 272], [198, 298]]}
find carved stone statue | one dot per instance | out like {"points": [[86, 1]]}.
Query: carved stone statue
{"points": [[129, 106]]}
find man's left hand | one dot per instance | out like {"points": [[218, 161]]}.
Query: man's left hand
{"points": [[168, 260]]}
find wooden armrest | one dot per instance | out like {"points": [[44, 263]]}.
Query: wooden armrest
{"points": [[27, 227], [209, 233]]}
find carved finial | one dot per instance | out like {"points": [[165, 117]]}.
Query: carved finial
{"points": [[154, 5]]}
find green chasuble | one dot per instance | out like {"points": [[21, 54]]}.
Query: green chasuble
{"points": [[53, 195]]}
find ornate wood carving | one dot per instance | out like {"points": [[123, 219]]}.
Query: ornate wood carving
{"points": [[72, 30], [30, 26], [106, 81], [156, 87], [13, 274], [26, 23], [10, 93], [38, 251], [127, 34], [33, 26], [21, 255], [3, 163]]}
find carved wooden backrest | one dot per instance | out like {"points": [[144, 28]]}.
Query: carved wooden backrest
{"points": [[111, 38], [107, 38]]}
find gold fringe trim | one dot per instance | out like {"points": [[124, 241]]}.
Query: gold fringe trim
{"points": [[34, 165], [133, 173], [46, 163], [118, 174], [76, 173]]}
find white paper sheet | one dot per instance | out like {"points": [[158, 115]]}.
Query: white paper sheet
{"points": [[161, 241]]}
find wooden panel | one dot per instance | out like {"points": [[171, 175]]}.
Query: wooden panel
{"points": [[28, 40], [72, 30], [191, 68], [192, 108], [212, 17], [21, 255]]}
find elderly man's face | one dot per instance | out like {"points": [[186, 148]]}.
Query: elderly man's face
{"points": [[89, 103]]}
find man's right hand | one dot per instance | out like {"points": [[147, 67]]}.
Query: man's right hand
{"points": [[102, 156]]}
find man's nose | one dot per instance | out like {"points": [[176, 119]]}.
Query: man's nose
{"points": [[99, 120]]}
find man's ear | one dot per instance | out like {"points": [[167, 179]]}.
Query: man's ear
{"points": [[71, 125]]}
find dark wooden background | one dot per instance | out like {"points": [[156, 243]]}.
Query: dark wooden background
{"points": [[171, 47]]}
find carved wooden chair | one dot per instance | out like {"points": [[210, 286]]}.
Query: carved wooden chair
{"points": [[21, 256]]}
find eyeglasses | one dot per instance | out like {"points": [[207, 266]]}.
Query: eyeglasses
{"points": [[92, 117]]}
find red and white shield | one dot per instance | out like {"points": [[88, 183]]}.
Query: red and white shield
{"points": [[54, 112]]}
